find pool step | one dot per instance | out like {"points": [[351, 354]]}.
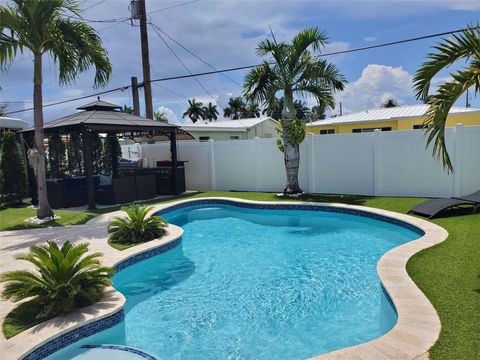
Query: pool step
{"points": [[117, 352]]}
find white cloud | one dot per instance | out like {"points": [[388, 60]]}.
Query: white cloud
{"points": [[170, 114], [370, 38], [376, 84]]}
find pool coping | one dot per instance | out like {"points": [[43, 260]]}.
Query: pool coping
{"points": [[417, 328]]}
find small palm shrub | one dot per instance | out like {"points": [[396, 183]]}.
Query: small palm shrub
{"points": [[65, 279], [136, 227]]}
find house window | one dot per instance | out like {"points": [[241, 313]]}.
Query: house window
{"points": [[327, 131], [234, 138], [362, 130], [268, 135], [204, 138]]}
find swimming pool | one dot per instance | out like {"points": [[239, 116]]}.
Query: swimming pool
{"points": [[257, 283]]}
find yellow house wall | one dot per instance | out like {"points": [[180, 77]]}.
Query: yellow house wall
{"points": [[397, 124]]}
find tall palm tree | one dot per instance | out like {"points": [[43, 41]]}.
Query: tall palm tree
{"points": [[251, 110], [43, 28], [235, 108], [194, 111], [160, 116], [463, 47], [389, 103], [292, 69], [210, 112]]}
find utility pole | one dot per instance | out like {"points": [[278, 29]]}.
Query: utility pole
{"points": [[147, 85], [467, 103], [136, 101]]}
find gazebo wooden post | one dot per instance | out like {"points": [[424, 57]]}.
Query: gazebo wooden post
{"points": [[173, 151], [88, 166]]}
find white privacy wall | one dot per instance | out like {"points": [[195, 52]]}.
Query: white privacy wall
{"points": [[394, 163]]}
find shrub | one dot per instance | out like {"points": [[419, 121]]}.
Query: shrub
{"points": [[14, 177], [136, 227], [56, 156], [64, 281]]}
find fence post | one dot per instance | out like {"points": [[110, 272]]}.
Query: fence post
{"points": [[311, 163], [457, 160], [256, 165], [376, 189], [211, 165]]}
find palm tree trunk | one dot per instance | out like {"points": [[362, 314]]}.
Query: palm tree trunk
{"points": [[291, 152], [43, 209]]}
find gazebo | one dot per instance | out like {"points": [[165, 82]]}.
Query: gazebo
{"points": [[100, 117]]}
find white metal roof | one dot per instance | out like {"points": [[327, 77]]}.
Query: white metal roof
{"points": [[12, 123], [380, 114], [235, 125]]}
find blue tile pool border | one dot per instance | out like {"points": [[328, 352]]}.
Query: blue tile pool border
{"points": [[75, 335], [300, 206], [96, 326]]}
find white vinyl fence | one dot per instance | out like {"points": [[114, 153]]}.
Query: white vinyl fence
{"points": [[394, 163]]}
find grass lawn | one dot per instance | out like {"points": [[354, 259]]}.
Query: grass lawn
{"points": [[448, 273], [124, 245]]}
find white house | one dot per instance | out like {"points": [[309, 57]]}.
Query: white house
{"points": [[8, 123], [233, 129]]}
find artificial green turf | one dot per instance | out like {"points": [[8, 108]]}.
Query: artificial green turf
{"points": [[124, 245], [20, 319], [448, 273]]}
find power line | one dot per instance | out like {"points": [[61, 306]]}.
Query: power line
{"points": [[98, 3], [184, 65], [123, 88], [195, 55], [148, 13], [246, 67], [173, 6]]}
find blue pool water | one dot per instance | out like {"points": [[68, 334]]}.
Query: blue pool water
{"points": [[257, 284]]}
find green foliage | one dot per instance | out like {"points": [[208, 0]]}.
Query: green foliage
{"points": [[74, 154], [462, 47], [294, 68], [194, 111], [389, 103], [14, 177], [210, 112], [96, 147], [56, 156], [74, 45], [239, 109], [111, 149], [65, 279], [296, 133], [160, 116], [127, 109], [235, 109], [275, 108], [136, 227]]}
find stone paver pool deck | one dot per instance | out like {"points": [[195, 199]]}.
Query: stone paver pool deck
{"points": [[417, 328]]}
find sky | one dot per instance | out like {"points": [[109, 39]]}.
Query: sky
{"points": [[226, 33]]}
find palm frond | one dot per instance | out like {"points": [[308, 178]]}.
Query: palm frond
{"points": [[450, 50], [311, 36], [137, 226], [440, 105], [63, 277]]}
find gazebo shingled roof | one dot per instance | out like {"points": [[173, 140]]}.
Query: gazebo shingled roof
{"points": [[103, 117]]}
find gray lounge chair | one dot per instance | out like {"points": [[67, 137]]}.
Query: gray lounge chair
{"points": [[430, 208]]}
